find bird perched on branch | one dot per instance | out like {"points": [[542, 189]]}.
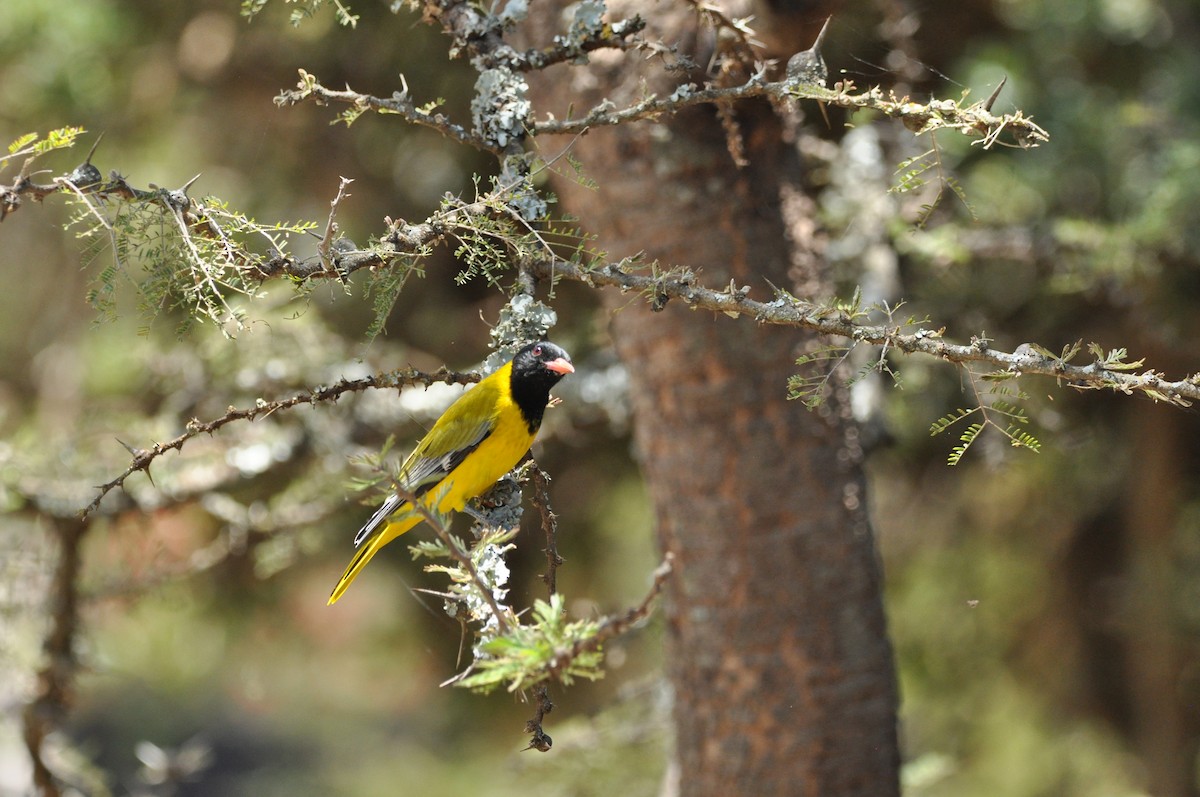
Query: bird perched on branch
{"points": [[478, 439]]}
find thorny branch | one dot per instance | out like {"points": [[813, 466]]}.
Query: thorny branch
{"points": [[331, 226], [310, 89], [788, 310], [143, 458], [613, 627], [538, 739], [971, 120], [609, 628], [785, 310], [541, 500]]}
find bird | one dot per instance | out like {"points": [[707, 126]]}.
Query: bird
{"points": [[478, 439], [808, 66]]}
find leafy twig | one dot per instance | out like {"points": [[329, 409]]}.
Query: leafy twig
{"points": [[988, 413], [552, 649], [456, 552]]}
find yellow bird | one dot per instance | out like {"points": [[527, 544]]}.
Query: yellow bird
{"points": [[478, 439]]}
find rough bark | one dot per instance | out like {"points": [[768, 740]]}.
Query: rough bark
{"points": [[778, 653], [1154, 662]]}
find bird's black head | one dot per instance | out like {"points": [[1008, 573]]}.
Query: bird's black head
{"points": [[535, 369]]}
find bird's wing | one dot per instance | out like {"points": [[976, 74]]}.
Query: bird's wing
{"points": [[429, 464], [461, 430]]}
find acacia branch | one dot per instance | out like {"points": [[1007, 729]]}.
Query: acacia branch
{"points": [[619, 35], [974, 120], [143, 458], [970, 120], [538, 738], [310, 89], [614, 626], [541, 501], [788, 310]]}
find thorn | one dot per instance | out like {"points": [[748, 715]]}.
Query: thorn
{"points": [[541, 741], [820, 42], [92, 151], [987, 104], [807, 66], [141, 459], [188, 184]]}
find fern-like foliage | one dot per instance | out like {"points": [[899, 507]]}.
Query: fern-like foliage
{"points": [[549, 647], [516, 652], [482, 249], [193, 259], [33, 145], [1001, 412], [305, 9], [383, 287], [913, 175], [811, 387], [820, 364]]}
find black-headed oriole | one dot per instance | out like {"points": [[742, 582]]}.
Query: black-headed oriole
{"points": [[478, 439]]}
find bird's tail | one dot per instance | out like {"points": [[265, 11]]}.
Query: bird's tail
{"points": [[386, 533]]}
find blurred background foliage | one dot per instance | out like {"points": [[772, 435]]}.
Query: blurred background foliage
{"points": [[1044, 608]]}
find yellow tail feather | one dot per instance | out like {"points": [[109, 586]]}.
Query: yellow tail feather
{"points": [[399, 524]]}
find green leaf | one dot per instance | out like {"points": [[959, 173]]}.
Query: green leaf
{"points": [[946, 421], [968, 437], [22, 142]]}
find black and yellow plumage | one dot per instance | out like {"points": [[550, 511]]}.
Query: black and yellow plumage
{"points": [[478, 439]]}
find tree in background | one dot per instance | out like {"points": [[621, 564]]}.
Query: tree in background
{"points": [[778, 657]]}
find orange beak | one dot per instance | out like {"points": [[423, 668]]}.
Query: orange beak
{"points": [[560, 366]]}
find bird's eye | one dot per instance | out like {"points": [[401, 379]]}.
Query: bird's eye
{"points": [[537, 351]]}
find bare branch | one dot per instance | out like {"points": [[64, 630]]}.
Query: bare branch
{"points": [[614, 36], [538, 738], [310, 89], [541, 501], [144, 458], [325, 247]]}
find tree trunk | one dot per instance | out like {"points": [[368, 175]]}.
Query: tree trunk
{"points": [[778, 654], [1163, 725]]}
